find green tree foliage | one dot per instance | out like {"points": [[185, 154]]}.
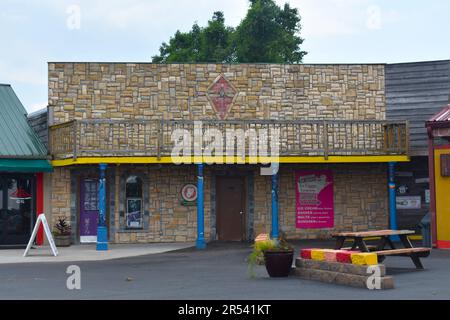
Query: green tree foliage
{"points": [[209, 44], [268, 33]]}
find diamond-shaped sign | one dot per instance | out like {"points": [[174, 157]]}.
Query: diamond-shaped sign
{"points": [[221, 93]]}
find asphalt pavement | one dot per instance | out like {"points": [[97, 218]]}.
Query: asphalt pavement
{"points": [[219, 272]]}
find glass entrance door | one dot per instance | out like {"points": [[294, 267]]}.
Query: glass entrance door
{"points": [[16, 209]]}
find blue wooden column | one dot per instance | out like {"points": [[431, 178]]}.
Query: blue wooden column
{"points": [[274, 233], [200, 243], [392, 200], [102, 231]]}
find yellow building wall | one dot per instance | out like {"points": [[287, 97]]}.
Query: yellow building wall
{"points": [[442, 201]]}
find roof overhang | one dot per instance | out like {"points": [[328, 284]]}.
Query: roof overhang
{"points": [[440, 119], [25, 165]]}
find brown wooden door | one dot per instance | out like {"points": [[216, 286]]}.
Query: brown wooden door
{"points": [[230, 208]]}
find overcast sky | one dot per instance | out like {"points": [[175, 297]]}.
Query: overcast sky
{"points": [[335, 31]]}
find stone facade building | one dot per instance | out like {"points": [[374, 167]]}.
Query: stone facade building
{"points": [[331, 125]]}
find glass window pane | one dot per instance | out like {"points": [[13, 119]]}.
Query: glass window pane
{"points": [[133, 202], [134, 187], [19, 205]]}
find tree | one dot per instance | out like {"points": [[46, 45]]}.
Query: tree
{"points": [[209, 44], [216, 43], [268, 33], [182, 47]]}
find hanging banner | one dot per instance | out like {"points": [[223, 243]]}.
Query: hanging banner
{"points": [[314, 199]]}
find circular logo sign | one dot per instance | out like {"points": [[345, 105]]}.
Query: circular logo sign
{"points": [[189, 192]]}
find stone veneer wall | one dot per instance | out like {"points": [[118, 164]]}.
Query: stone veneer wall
{"points": [[360, 201], [60, 194], [168, 219], [265, 91], [178, 91]]}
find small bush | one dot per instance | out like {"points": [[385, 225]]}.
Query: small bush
{"points": [[62, 227]]}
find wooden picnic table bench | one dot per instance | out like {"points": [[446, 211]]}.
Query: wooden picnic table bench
{"points": [[415, 253]]}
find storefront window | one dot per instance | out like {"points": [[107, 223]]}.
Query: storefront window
{"points": [[134, 208], [16, 206]]}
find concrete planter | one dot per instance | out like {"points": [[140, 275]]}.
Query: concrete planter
{"points": [[279, 263]]}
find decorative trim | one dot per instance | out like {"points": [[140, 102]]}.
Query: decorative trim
{"points": [[210, 94], [236, 160], [443, 244]]}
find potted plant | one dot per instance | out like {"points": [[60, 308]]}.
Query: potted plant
{"points": [[276, 254], [62, 233]]}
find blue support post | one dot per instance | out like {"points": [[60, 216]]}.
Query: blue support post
{"points": [[102, 231], [200, 243], [275, 233], [392, 200]]}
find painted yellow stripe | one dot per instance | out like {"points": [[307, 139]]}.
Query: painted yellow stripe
{"points": [[225, 160], [364, 258]]}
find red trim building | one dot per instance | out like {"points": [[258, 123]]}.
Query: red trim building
{"points": [[23, 161], [438, 128]]}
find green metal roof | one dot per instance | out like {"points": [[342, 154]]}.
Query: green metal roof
{"points": [[17, 139]]}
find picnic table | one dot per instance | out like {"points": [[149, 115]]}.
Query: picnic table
{"points": [[359, 242]]}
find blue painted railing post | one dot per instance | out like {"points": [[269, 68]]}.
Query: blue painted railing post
{"points": [[102, 231], [274, 176], [392, 200], [200, 243]]}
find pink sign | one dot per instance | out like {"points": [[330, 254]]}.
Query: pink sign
{"points": [[314, 199]]}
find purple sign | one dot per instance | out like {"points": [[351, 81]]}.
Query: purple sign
{"points": [[314, 199]]}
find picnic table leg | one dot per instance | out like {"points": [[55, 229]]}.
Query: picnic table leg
{"points": [[381, 246], [414, 257], [416, 261], [339, 243], [382, 243], [404, 239], [361, 245], [391, 244]]}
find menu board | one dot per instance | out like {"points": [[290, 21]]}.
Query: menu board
{"points": [[314, 199]]}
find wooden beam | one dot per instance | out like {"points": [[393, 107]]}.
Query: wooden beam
{"points": [[218, 160]]}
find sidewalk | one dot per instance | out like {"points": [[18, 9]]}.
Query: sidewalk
{"points": [[87, 252]]}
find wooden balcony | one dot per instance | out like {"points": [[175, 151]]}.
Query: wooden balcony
{"points": [[153, 138]]}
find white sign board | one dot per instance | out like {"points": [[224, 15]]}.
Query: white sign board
{"points": [[408, 202], [41, 218]]}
